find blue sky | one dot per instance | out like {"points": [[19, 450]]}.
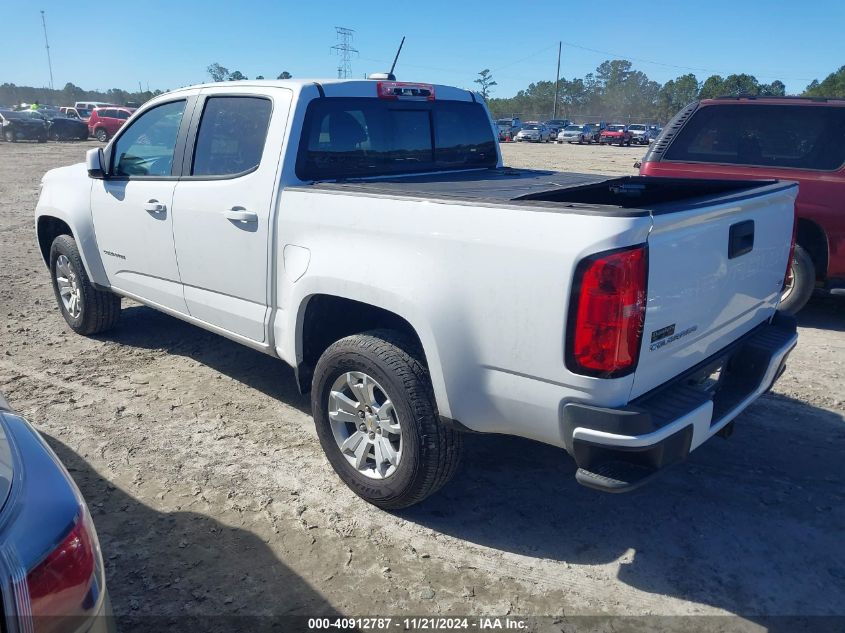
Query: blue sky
{"points": [[169, 44]]}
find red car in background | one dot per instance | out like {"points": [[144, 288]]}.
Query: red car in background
{"points": [[616, 134], [105, 122], [788, 138]]}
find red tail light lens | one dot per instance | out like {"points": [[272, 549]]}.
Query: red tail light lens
{"points": [[65, 584], [607, 313]]}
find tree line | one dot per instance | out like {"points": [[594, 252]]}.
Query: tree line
{"points": [[614, 91], [617, 91]]}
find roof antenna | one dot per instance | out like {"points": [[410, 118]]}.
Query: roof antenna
{"points": [[395, 59], [389, 76]]}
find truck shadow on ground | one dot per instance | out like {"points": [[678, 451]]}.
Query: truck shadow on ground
{"points": [[824, 312], [145, 328], [751, 525], [184, 571]]}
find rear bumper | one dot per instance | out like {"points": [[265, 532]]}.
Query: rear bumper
{"points": [[617, 450]]}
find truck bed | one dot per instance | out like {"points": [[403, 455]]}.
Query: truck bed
{"points": [[584, 193]]}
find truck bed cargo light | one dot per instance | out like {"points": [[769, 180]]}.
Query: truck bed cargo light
{"points": [[397, 89]]}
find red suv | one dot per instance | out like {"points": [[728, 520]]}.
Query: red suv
{"points": [[616, 133], [789, 138], [104, 122]]}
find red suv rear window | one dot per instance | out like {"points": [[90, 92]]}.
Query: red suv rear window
{"points": [[767, 135]]}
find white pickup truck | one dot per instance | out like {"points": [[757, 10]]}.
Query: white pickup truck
{"points": [[366, 233]]}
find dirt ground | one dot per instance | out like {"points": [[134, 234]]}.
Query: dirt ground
{"points": [[211, 495]]}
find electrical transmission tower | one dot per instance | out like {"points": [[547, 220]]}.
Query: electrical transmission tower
{"points": [[47, 46], [344, 50]]}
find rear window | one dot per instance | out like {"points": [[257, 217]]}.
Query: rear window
{"points": [[787, 136], [348, 137]]}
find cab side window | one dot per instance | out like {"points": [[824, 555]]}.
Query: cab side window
{"points": [[231, 135], [146, 148]]}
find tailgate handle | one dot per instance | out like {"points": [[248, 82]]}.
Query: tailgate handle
{"points": [[741, 239]]}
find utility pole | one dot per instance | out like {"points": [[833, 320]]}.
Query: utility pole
{"points": [[344, 50], [557, 77], [47, 46]]}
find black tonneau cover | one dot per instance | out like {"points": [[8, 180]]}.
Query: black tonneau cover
{"points": [[584, 193]]}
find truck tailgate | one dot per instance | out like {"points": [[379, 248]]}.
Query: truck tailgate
{"points": [[715, 272]]}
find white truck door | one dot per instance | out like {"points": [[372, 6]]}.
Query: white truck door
{"points": [[131, 209], [222, 222]]}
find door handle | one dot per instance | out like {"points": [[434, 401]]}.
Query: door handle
{"points": [[154, 206], [239, 214]]}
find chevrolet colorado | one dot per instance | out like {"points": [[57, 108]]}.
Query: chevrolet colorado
{"points": [[366, 233]]}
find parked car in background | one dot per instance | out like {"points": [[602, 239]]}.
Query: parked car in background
{"points": [[90, 105], [597, 128], [576, 134], [615, 134], [20, 126], [640, 133], [508, 128], [49, 550], [59, 126], [788, 138], [104, 122], [535, 132], [83, 114], [555, 126]]}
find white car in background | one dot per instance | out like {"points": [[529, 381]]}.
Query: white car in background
{"points": [[641, 133], [576, 134], [536, 132]]}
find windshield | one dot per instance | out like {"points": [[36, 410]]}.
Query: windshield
{"points": [[507, 122], [636, 128], [83, 112], [532, 127], [572, 128], [347, 137], [616, 128], [9, 114]]}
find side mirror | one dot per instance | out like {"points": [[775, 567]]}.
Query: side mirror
{"points": [[95, 162]]}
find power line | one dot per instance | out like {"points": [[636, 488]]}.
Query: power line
{"points": [[344, 50], [47, 46]]}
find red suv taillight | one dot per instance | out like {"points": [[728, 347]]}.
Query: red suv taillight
{"points": [[66, 584], [607, 312]]}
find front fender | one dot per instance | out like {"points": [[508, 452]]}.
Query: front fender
{"points": [[66, 196]]}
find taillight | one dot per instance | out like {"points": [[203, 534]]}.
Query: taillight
{"points": [[67, 583], [396, 89], [607, 313]]}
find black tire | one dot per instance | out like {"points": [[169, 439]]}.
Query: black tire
{"points": [[803, 274], [100, 310], [9, 135], [102, 135], [430, 451]]}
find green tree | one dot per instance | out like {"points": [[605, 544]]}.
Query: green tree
{"points": [[736, 85], [712, 87], [260, 77], [285, 75], [675, 94], [485, 80], [237, 76], [775, 89], [218, 72], [831, 86]]}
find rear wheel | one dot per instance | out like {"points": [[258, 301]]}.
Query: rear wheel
{"points": [[377, 421], [800, 282], [102, 135], [86, 309], [9, 135]]}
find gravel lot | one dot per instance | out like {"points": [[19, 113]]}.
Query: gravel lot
{"points": [[211, 495]]}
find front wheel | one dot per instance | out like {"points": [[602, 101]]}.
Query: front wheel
{"points": [[86, 309], [377, 420], [9, 135], [800, 282]]}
